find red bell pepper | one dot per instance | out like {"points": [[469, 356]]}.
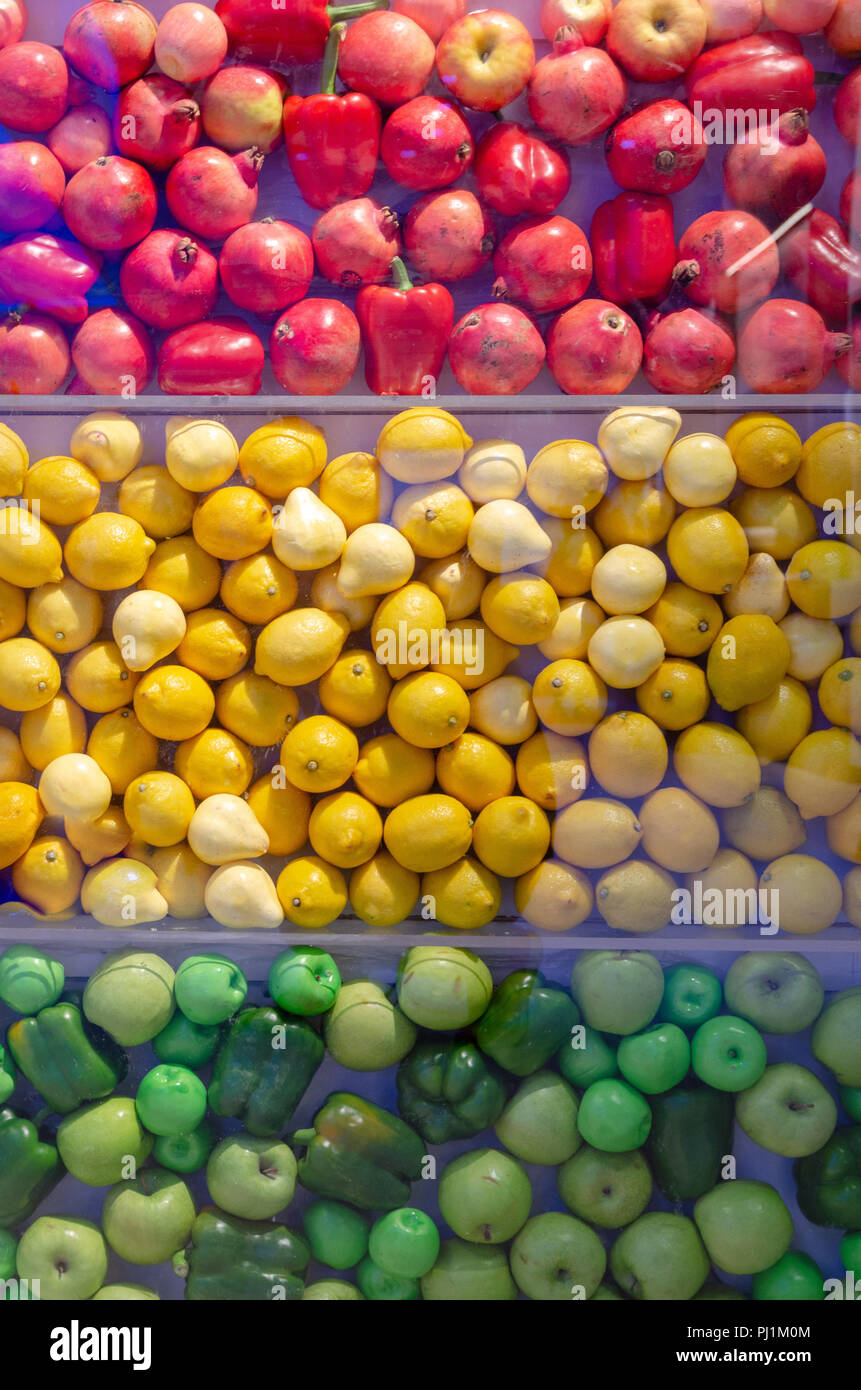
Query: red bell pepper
{"points": [[285, 31], [634, 247], [819, 260], [519, 172], [755, 76], [405, 330], [333, 142]]}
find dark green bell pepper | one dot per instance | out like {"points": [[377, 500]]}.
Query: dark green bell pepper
{"points": [[7, 1074], [248, 1260], [263, 1068], [67, 1059], [30, 980], [692, 1130], [29, 1168], [829, 1181], [359, 1153], [526, 1021], [449, 1090]]}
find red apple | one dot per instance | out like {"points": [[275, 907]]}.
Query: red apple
{"points": [[589, 18], [656, 40], [732, 19], [386, 56], [34, 87], [191, 43], [800, 16], [486, 59], [844, 30], [32, 184], [110, 42], [434, 16], [13, 21], [242, 108]]}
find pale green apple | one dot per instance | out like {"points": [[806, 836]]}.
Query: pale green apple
{"points": [[719, 1293], [66, 1254], [252, 1178], [609, 1190], [332, 1291], [364, 1030], [130, 995], [787, 1111], [617, 991], [556, 1257], [745, 1225], [125, 1293], [539, 1123], [148, 1218], [485, 1196], [606, 1293], [468, 1273], [776, 991], [104, 1142], [836, 1040], [443, 987], [660, 1257]]}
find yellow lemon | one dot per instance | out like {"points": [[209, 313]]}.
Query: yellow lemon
{"points": [[345, 829], [108, 551], [283, 454], [224, 829], [554, 896], [422, 445], [428, 710], [173, 702], [687, 620], [823, 772], [761, 589], [708, 549], [390, 770], [20, 816], [635, 897], [64, 616], [325, 594], [775, 520], [824, 579], [48, 876], [355, 689], [748, 661], [75, 786], [407, 629], [575, 552], [458, 583], [493, 469], [214, 761], [375, 560], [595, 833], [299, 646], [200, 454], [716, 763], [283, 811], [123, 893], [504, 535], [520, 608], [503, 710], [158, 806], [312, 892], [13, 610], [765, 826], [728, 886], [814, 643], [434, 517], [628, 579], [465, 895], [426, 833], [625, 651], [109, 443], [307, 535], [635, 440], [830, 466], [102, 838], [233, 523], [216, 644], [156, 501], [776, 725], [14, 460], [13, 765], [628, 754], [806, 893], [569, 697], [55, 728], [679, 831], [98, 678], [472, 655], [567, 478], [475, 770], [147, 626], [256, 709], [675, 696], [634, 513], [551, 770], [30, 553], [181, 878], [699, 471], [766, 449], [65, 490], [840, 694], [852, 897], [122, 747], [258, 588], [578, 621], [382, 892], [843, 832], [181, 569], [319, 754], [511, 835], [29, 674], [356, 489]]}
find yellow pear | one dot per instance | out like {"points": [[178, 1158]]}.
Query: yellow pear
{"points": [[224, 828], [761, 589], [308, 535], [505, 536], [493, 469], [147, 625], [74, 785], [635, 440], [243, 895], [108, 443], [200, 454], [99, 839], [375, 560], [122, 893], [325, 594]]}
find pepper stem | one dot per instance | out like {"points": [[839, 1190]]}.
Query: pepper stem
{"points": [[302, 1137], [336, 12], [330, 59], [400, 274]]}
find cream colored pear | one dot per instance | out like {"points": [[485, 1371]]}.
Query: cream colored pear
{"points": [[635, 440], [505, 536], [308, 535], [200, 454], [493, 469], [761, 589], [325, 594], [109, 443], [123, 893], [224, 829], [458, 583], [243, 895], [74, 785], [377, 559], [147, 626]]}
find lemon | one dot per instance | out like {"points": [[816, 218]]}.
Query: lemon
{"points": [[843, 832], [30, 553], [628, 754], [75, 786], [173, 702], [123, 893], [66, 491], [355, 689], [676, 695], [243, 895], [13, 765], [493, 469], [473, 655], [122, 747], [181, 878], [312, 892], [595, 833], [108, 551], [688, 621], [14, 460], [575, 553], [628, 579], [307, 534], [422, 445], [64, 616], [805, 894], [300, 646], [776, 725], [520, 608], [503, 710], [156, 501], [382, 892], [181, 569], [256, 709], [457, 582], [98, 678], [823, 772], [200, 454], [325, 594], [569, 697], [475, 770], [567, 478], [852, 897], [635, 440], [766, 449], [20, 815], [29, 674], [109, 443], [551, 770], [761, 589], [48, 876], [504, 536], [407, 625], [283, 811], [679, 831], [708, 549], [625, 651], [233, 523], [733, 878], [824, 579], [511, 835], [775, 520], [356, 489], [428, 710], [635, 897], [748, 661], [100, 839], [216, 644], [765, 826], [814, 644], [390, 770], [465, 895], [554, 896], [319, 754], [830, 466], [147, 626], [224, 829], [840, 694], [345, 829], [214, 761], [55, 728], [578, 621], [699, 471], [425, 833], [258, 588], [13, 609], [716, 763], [434, 517], [375, 560], [635, 513], [283, 454], [158, 806]]}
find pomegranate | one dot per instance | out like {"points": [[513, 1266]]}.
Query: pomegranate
{"points": [[800, 16], [221, 357], [242, 108], [355, 242], [315, 347], [519, 172], [731, 19], [426, 143], [49, 274], [79, 137], [34, 355], [595, 348], [211, 192], [434, 16], [157, 121], [266, 266], [13, 21], [687, 352], [449, 236], [496, 350], [634, 246], [34, 87], [589, 18], [113, 354], [576, 93], [847, 107], [170, 280], [110, 42], [386, 56], [659, 149], [819, 261], [727, 260], [110, 204], [543, 263], [850, 202], [191, 43], [785, 348], [32, 184], [776, 182], [77, 387], [849, 363]]}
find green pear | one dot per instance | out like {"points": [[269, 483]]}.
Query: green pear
{"points": [[617, 991], [130, 995], [468, 1273], [364, 1030], [539, 1123]]}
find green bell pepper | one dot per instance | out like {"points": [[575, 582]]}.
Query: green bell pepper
{"points": [[829, 1181], [263, 1068], [692, 1130], [526, 1021], [29, 1168], [8, 1247], [449, 1090], [7, 1074], [29, 980], [234, 1259], [359, 1153], [68, 1060], [304, 980]]}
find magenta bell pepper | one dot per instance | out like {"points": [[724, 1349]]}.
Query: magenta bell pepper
{"points": [[49, 274]]}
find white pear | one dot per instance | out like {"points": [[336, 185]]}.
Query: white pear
{"points": [[108, 443], [243, 895], [377, 559], [308, 535], [635, 440], [224, 828], [505, 536], [147, 625], [325, 594], [200, 454], [761, 589], [123, 893], [493, 469], [74, 785]]}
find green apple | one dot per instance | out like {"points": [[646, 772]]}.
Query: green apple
{"points": [[692, 994], [185, 1153], [337, 1234], [613, 1116], [404, 1242], [304, 980], [332, 1291], [605, 1293], [660, 1257], [485, 1196], [776, 991], [787, 1111], [617, 991], [586, 1058], [252, 1178], [655, 1060], [210, 988], [381, 1287], [104, 1142], [130, 995], [148, 1218], [186, 1044], [443, 987], [125, 1293], [171, 1100], [745, 1225], [29, 979], [539, 1123], [850, 1099], [728, 1053], [607, 1190], [836, 1039], [468, 1273], [364, 1030], [719, 1293], [794, 1278], [556, 1257], [850, 1252], [66, 1254]]}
